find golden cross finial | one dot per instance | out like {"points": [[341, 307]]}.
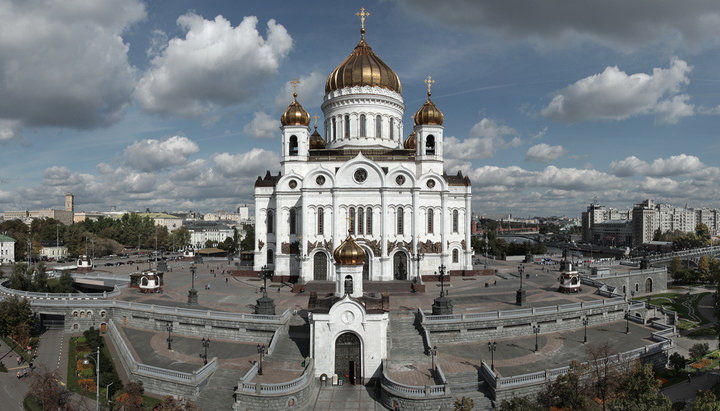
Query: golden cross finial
{"points": [[429, 81], [315, 120], [294, 84], [362, 14]]}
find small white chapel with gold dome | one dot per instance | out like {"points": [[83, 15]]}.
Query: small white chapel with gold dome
{"points": [[361, 174]]}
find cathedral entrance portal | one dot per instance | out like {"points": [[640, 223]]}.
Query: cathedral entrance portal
{"points": [[320, 267], [347, 358], [400, 266]]}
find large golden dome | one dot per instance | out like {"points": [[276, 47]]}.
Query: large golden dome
{"points": [[295, 115], [349, 253], [429, 114], [363, 68]]}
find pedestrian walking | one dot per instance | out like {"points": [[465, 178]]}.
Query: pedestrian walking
{"points": [[226, 279]]}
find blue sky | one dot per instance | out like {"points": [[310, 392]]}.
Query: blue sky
{"points": [[175, 105]]}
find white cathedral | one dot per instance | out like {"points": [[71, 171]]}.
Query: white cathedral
{"points": [[365, 180]]}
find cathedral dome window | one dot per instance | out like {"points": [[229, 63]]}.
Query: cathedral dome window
{"points": [[400, 180], [431, 183], [378, 126], [320, 180], [292, 184], [360, 175], [400, 226], [363, 126]]}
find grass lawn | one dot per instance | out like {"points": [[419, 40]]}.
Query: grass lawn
{"points": [[18, 350], [685, 305]]}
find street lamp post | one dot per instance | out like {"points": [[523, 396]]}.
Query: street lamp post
{"points": [[265, 305], [433, 353], [442, 305], [585, 323], [205, 344], [536, 330], [107, 393], [442, 280], [261, 349], [97, 376], [169, 337], [492, 346], [627, 322], [520, 295]]}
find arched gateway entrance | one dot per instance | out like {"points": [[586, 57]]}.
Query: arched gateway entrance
{"points": [[347, 358]]}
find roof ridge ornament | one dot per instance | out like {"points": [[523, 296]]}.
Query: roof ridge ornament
{"points": [[362, 14], [429, 82], [294, 83]]}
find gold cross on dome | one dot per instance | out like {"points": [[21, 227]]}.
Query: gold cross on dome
{"points": [[294, 84], [315, 120], [362, 14], [429, 81]]}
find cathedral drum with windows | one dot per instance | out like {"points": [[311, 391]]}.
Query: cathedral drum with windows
{"points": [[364, 179]]}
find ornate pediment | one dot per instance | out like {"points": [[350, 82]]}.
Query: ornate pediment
{"points": [[428, 247]]}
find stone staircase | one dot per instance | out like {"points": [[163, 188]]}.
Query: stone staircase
{"points": [[406, 341], [466, 384], [396, 287], [217, 394], [293, 341]]}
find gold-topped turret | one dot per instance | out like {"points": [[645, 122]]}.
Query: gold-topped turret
{"points": [[410, 142], [363, 67], [349, 253], [429, 114], [295, 115]]}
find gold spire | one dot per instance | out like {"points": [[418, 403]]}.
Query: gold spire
{"points": [[429, 114], [362, 14], [316, 140], [315, 120], [295, 115]]}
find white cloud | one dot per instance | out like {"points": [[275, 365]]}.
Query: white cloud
{"points": [[262, 126], [215, 65], [153, 155], [660, 167], [64, 63], [614, 23], [252, 163], [551, 176], [544, 153], [486, 137], [615, 95]]}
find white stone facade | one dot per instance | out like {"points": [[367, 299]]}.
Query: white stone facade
{"points": [[408, 216], [7, 250]]}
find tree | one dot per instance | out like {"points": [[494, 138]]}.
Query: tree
{"points": [[15, 315], [248, 241], [131, 396], [639, 390], [45, 389], [677, 272], [65, 283], [604, 375], [699, 350], [179, 238], [171, 404], [703, 233], [463, 404], [706, 400], [704, 269], [677, 361], [518, 404], [567, 390], [20, 279]]}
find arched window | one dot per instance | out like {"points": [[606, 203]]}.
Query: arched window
{"points": [[351, 220], [347, 126], [270, 222], [430, 145], [334, 129], [392, 128], [456, 256], [270, 256], [637, 287], [430, 221], [400, 221], [293, 221], [363, 126], [293, 146], [369, 223], [378, 126], [361, 220], [320, 221], [455, 222]]}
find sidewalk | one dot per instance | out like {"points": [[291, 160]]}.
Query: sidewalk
{"points": [[685, 391]]}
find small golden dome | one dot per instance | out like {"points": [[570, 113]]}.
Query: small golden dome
{"points": [[349, 253], [410, 142], [363, 68], [295, 115], [429, 114], [316, 140]]}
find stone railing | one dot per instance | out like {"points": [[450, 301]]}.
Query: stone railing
{"points": [[161, 309], [685, 253], [246, 386], [190, 381], [524, 312], [616, 274], [4, 290], [425, 334], [412, 391]]}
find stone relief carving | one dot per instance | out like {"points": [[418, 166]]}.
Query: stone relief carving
{"points": [[290, 248], [374, 245], [391, 245], [428, 247], [462, 243], [260, 245], [327, 244]]}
